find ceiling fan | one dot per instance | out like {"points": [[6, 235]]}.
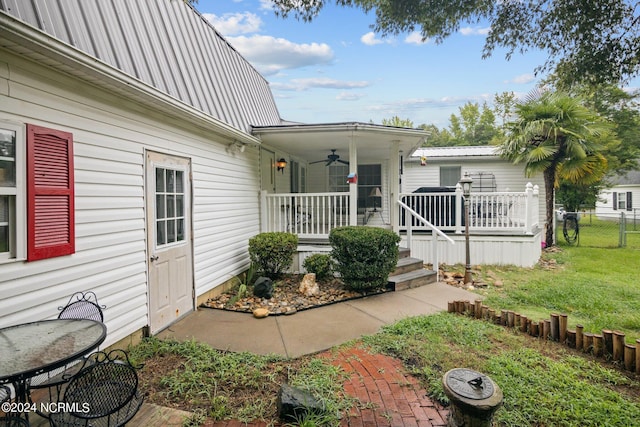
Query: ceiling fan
{"points": [[331, 158]]}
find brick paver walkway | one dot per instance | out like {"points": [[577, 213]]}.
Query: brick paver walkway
{"points": [[388, 396]]}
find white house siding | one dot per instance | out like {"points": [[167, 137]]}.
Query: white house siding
{"points": [[604, 204], [509, 177], [110, 137], [522, 250]]}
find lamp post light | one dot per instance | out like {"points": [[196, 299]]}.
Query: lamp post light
{"points": [[465, 183]]}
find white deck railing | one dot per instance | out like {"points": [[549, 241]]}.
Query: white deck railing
{"points": [[488, 212], [314, 215], [311, 215]]}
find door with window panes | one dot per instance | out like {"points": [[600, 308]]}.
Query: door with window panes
{"points": [[169, 239]]}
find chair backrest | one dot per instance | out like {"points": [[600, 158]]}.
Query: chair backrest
{"points": [[106, 384], [5, 394], [82, 305]]}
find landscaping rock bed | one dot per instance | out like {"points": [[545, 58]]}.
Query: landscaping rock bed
{"points": [[287, 299]]}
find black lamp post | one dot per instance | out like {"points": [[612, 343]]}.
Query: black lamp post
{"points": [[465, 183]]}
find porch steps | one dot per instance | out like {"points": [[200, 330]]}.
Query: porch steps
{"points": [[410, 273]]}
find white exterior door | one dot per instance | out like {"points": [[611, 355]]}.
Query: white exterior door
{"points": [[168, 193]]}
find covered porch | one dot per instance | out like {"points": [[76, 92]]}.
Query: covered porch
{"points": [[319, 177]]}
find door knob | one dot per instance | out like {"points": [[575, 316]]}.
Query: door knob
{"points": [[154, 258]]}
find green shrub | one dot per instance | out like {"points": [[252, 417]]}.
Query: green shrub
{"points": [[273, 252], [320, 264], [364, 255]]}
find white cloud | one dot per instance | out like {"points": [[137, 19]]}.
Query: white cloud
{"points": [[322, 83], [234, 23], [349, 96], [415, 38], [477, 31], [270, 55], [522, 79], [266, 5], [370, 39]]}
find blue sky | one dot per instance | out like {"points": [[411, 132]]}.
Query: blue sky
{"points": [[335, 69]]}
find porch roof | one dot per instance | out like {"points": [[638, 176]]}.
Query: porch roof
{"points": [[457, 152], [313, 141]]}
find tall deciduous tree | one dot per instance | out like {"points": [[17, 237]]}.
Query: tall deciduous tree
{"points": [[398, 122], [591, 41], [557, 135]]}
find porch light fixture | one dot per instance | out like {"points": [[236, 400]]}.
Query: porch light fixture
{"points": [[281, 164], [465, 183]]}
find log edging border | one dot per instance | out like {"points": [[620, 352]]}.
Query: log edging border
{"points": [[609, 345]]}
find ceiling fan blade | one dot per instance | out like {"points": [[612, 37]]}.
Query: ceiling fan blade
{"points": [[344, 162], [317, 161], [329, 162]]}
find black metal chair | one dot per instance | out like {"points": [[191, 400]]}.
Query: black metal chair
{"points": [[48, 386], [82, 305], [104, 392], [9, 420]]}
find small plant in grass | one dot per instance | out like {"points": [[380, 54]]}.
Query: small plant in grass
{"points": [[319, 264], [244, 281], [273, 252], [365, 256]]}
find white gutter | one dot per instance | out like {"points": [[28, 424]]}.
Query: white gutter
{"points": [[25, 35]]}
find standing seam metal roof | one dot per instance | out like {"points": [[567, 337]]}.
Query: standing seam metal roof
{"points": [[164, 43]]}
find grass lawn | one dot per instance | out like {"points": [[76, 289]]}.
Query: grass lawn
{"points": [[544, 383], [596, 288]]}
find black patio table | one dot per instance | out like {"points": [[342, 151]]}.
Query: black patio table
{"points": [[30, 349]]}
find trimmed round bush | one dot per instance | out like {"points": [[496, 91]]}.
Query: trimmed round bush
{"points": [[273, 252], [320, 264], [364, 256]]}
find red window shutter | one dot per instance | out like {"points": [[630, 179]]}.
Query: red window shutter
{"points": [[50, 193]]}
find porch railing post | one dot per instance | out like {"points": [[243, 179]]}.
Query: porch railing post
{"points": [[263, 211], [528, 219], [434, 254], [459, 205]]}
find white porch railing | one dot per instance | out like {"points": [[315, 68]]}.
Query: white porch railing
{"points": [[404, 208], [314, 215], [488, 212], [310, 215]]}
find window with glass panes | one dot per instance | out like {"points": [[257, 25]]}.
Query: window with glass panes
{"points": [[338, 177], [369, 178], [449, 176], [170, 209], [8, 190]]}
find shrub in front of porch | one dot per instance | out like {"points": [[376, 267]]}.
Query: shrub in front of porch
{"points": [[319, 264], [273, 252], [365, 256]]}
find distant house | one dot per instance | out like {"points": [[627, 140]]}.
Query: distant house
{"points": [[622, 197], [139, 152]]}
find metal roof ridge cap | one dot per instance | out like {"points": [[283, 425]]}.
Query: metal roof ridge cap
{"points": [[17, 28]]}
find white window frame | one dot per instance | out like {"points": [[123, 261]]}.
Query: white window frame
{"points": [[17, 197], [621, 201], [186, 209]]}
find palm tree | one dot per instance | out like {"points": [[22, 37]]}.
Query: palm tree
{"points": [[557, 135]]}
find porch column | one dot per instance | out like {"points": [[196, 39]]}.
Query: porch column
{"points": [[394, 184], [353, 188]]}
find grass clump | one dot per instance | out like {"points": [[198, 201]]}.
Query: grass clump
{"points": [[224, 385]]}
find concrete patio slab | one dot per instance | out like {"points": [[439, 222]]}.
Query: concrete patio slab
{"points": [[311, 331], [321, 328]]}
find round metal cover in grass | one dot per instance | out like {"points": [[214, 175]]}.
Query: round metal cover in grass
{"points": [[470, 384]]}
